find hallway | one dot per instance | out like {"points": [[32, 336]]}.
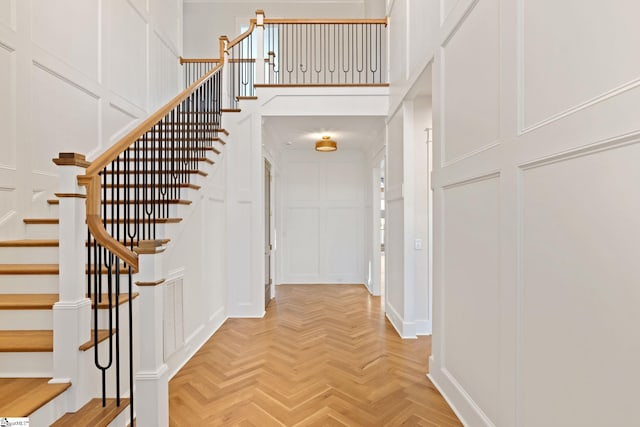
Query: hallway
{"points": [[323, 355]]}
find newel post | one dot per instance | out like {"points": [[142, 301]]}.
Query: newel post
{"points": [[227, 102], [259, 77], [152, 378], [72, 312]]}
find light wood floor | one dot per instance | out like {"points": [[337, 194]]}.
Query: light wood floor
{"points": [[324, 355]]}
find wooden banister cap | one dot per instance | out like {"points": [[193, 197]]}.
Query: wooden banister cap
{"points": [[71, 159], [259, 12], [224, 38]]}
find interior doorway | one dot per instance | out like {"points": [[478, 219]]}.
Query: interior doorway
{"points": [[268, 278], [377, 263], [381, 227]]}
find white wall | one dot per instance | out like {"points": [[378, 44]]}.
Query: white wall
{"points": [[323, 217], [205, 22], [413, 37], [407, 232], [422, 118], [535, 233], [394, 223], [73, 76], [196, 256]]}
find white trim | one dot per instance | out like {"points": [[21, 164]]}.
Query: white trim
{"points": [[423, 327], [196, 340], [406, 330], [152, 375]]}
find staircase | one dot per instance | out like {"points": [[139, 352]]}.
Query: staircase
{"points": [[29, 286], [68, 295]]}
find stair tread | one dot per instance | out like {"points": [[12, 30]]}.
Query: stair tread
{"points": [[26, 341], [148, 172], [34, 341], [29, 269], [109, 221], [28, 301], [103, 334], [215, 138], [163, 159], [157, 220], [20, 397], [193, 186], [30, 243], [93, 414], [137, 242], [46, 301], [104, 302], [149, 202], [41, 221]]}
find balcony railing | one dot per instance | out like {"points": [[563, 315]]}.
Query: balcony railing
{"points": [[305, 52], [300, 52]]}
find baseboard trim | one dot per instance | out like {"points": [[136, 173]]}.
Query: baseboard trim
{"points": [[467, 411], [406, 330], [195, 342], [423, 327]]}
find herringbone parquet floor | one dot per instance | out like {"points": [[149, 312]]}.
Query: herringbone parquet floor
{"points": [[323, 355]]}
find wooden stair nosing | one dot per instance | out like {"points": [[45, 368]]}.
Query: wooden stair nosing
{"points": [[148, 202], [93, 414], [137, 242], [104, 303], [46, 301], [103, 334], [178, 148], [20, 397], [28, 301], [157, 220], [29, 269], [151, 159], [41, 221], [184, 185], [148, 172], [30, 243]]}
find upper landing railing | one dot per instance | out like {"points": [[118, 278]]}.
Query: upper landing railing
{"points": [[300, 52]]}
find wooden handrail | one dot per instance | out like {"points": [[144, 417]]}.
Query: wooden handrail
{"points": [[91, 178], [326, 21], [199, 60], [115, 150], [252, 25]]}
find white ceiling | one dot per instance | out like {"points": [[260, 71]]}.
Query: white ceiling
{"points": [[274, 1], [297, 132]]}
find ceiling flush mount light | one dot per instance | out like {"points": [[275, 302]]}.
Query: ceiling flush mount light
{"points": [[326, 144]]}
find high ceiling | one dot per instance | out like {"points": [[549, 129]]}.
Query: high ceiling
{"points": [[350, 132]]}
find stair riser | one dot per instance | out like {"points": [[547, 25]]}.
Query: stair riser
{"points": [[103, 317], [29, 284], [26, 319], [42, 231], [26, 365], [29, 255]]}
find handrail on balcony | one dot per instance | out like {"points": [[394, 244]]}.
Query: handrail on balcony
{"points": [[305, 52]]}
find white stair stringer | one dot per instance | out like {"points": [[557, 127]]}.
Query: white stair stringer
{"points": [[51, 411]]}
